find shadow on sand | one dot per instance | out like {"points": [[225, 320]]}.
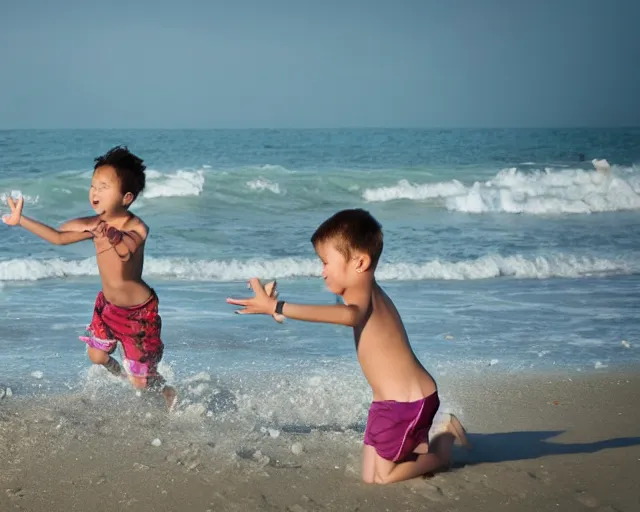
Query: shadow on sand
{"points": [[513, 446]]}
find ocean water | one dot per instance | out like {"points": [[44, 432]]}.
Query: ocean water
{"points": [[504, 252]]}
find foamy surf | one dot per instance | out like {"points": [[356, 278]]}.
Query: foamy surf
{"points": [[336, 397], [414, 192], [512, 190], [17, 194], [178, 184], [486, 267], [263, 184]]}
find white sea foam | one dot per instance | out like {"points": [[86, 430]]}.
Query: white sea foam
{"points": [[16, 194], [261, 184], [178, 184], [490, 266], [515, 191], [271, 168], [406, 190]]}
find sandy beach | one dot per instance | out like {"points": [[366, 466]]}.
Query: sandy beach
{"points": [[552, 442]]}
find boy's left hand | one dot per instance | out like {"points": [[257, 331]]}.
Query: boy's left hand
{"points": [[261, 304], [98, 230]]}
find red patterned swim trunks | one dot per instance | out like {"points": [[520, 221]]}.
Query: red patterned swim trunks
{"points": [[137, 328]]}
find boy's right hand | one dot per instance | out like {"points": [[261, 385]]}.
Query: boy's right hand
{"points": [[271, 289], [262, 303], [13, 219], [99, 232], [98, 229]]}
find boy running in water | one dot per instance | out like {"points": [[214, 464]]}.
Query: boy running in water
{"points": [[126, 309]]}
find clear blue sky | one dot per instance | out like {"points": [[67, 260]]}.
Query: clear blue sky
{"points": [[322, 63]]}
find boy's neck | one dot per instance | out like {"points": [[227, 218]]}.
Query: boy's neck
{"points": [[365, 285], [114, 216]]}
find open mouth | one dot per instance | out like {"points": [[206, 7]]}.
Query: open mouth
{"points": [[95, 202]]}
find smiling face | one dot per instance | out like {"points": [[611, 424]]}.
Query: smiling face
{"points": [[105, 194], [338, 272]]}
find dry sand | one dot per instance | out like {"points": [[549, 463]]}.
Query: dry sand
{"points": [[543, 443]]}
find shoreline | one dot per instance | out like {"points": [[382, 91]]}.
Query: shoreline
{"points": [[473, 370], [547, 443]]}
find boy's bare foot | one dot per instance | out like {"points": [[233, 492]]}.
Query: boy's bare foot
{"points": [[446, 434], [455, 428], [170, 397], [271, 290]]}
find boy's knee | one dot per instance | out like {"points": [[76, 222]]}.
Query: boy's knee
{"points": [[378, 480], [368, 479], [97, 356], [381, 479]]}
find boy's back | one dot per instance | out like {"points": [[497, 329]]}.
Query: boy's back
{"points": [[385, 355]]}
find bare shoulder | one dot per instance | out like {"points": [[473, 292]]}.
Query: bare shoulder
{"points": [[136, 224]]}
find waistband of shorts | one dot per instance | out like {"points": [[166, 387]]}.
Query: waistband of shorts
{"points": [[152, 298]]}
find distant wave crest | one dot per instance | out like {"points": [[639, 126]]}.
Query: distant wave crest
{"points": [[486, 267], [515, 191]]}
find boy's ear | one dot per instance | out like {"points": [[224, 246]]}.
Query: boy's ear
{"points": [[127, 199], [363, 262]]}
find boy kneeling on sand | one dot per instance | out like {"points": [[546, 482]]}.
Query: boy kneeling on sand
{"points": [[405, 395]]}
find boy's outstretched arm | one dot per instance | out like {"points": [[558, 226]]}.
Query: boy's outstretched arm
{"points": [[15, 218], [262, 303]]}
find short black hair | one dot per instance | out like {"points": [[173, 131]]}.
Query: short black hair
{"points": [[352, 230], [129, 168]]}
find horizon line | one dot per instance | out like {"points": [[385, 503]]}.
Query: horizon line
{"points": [[326, 128]]}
